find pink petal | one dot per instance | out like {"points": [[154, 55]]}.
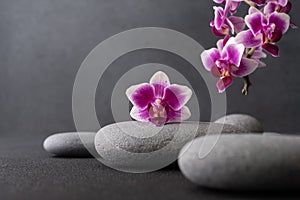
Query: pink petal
{"points": [[247, 67], [221, 43], [254, 22], [139, 114], [234, 53], [272, 49], [141, 95], [248, 39], [281, 20], [216, 72], [224, 83], [282, 2], [238, 23], [286, 9], [221, 32], [219, 17], [234, 6], [159, 80], [270, 8], [176, 96], [258, 54], [209, 58], [261, 64], [276, 36], [178, 116], [253, 10], [219, 1]]}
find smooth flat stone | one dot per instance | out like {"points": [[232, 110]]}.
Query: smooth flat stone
{"points": [[142, 147], [72, 144], [243, 162], [241, 120]]}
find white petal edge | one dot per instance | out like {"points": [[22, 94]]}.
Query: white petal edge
{"points": [[160, 78], [186, 91], [135, 114], [185, 114]]}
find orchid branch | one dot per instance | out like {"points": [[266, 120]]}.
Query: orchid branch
{"points": [[247, 82], [267, 21]]}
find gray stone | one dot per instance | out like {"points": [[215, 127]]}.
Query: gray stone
{"points": [[243, 162], [241, 120], [142, 147], [72, 144]]}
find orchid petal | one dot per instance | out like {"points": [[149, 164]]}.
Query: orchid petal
{"points": [[177, 116], [141, 95], [219, 16], [221, 43], [218, 1], [276, 36], [286, 9], [224, 83], [281, 20], [216, 72], [272, 49], [282, 2], [159, 80], [270, 8], [248, 39], [254, 22], [253, 10], [258, 54], [176, 96], [139, 114], [238, 23], [209, 58], [234, 53], [234, 6], [220, 32], [246, 67], [261, 64]]}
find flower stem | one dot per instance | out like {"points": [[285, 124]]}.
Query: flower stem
{"points": [[250, 3], [247, 82]]}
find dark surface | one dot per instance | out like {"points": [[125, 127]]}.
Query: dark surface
{"points": [[43, 43], [27, 172]]}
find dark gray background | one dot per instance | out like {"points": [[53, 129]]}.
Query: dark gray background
{"points": [[43, 42]]}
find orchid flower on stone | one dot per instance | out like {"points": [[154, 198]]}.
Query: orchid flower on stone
{"points": [[159, 102], [226, 61]]}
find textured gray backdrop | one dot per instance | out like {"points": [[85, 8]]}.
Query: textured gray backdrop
{"points": [[43, 42]]}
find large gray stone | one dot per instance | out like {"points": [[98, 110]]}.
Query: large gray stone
{"points": [[143, 147], [243, 162], [241, 120], [72, 144]]}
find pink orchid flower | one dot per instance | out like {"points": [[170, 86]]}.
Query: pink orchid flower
{"points": [[269, 29], [159, 102], [226, 61], [272, 7], [233, 5], [275, 6], [263, 2], [223, 25]]}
